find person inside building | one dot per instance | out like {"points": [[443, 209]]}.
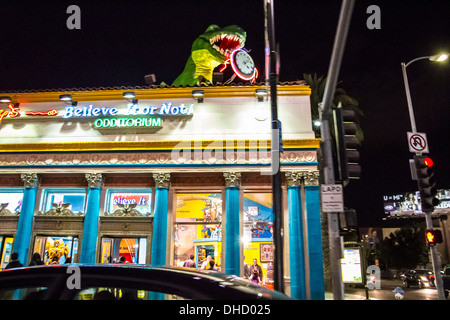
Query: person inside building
{"points": [[36, 260], [190, 263], [212, 265], [14, 263], [205, 263], [255, 272]]}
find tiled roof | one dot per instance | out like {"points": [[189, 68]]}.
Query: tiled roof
{"points": [[240, 84]]}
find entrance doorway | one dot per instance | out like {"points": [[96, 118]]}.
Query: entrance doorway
{"points": [[134, 250], [56, 249]]}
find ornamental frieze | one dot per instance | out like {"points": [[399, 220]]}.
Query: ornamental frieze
{"points": [[152, 158]]}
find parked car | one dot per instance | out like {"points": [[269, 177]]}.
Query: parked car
{"points": [[446, 280], [419, 277], [126, 282]]}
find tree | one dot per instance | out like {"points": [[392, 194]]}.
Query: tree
{"points": [[405, 248]]}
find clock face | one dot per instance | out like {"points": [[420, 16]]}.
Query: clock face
{"points": [[243, 64]]}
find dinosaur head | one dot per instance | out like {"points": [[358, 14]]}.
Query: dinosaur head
{"points": [[223, 41]]}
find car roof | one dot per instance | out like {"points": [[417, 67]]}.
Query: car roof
{"points": [[210, 281]]}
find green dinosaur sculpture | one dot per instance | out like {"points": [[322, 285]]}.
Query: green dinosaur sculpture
{"points": [[209, 50]]}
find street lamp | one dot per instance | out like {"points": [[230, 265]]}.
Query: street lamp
{"points": [[429, 223], [435, 58]]}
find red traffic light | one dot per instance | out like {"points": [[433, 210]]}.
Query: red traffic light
{"points": [[428, 162]]}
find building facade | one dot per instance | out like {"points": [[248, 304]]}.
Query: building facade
{"points": [[92, 175]]}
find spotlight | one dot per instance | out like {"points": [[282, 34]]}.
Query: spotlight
{"points": [[198, 94], [5, 99], [67, 98], [130, 96], [261, 93]]}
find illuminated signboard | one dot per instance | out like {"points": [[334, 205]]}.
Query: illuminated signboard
{"points": [[111, 117], [351, 266], [409, 203]]}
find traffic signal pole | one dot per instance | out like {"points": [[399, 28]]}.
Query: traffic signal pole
{"points": [[436, 261], [326, 144], [272, 73]]}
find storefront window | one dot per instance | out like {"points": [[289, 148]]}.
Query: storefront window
{"points": [[258, 232], [133, 250], [138, 199], [198, 228], [56, 249], [11, 200], [6, 244], [76, 199]]}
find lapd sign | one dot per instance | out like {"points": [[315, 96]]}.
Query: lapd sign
{"points": [[332, 197]]}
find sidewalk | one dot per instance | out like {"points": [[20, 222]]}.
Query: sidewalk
{"points": [[347, 296]]}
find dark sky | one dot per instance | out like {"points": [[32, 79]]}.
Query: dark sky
{"points": [[121, 41]]}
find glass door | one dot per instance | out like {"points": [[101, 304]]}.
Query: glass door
{"points": [[126, 250]]}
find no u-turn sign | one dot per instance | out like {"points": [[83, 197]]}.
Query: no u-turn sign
{"points": [[417, 142]]}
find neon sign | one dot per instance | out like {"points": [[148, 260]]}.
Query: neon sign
{"points": [[12, 113], [132, 109], [126, 122]]}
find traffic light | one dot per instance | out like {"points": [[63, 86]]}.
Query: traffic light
{"points": [[347, 144], [426, 182], [433, 236]]}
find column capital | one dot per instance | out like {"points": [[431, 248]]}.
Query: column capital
{"points": [[29, 179], [95, 180], [293, 179], [232, 179], [311, 177], [162, 180]]}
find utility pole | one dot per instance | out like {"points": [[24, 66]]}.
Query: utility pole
{"points": [[335, 242], [272, 79]]}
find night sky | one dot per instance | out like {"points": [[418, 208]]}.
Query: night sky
{"points": [[121, 41]]}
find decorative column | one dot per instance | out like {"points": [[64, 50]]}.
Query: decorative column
{"points": [[232, 232], [296, 244], [25, 223], [90, 227], [316, 277], [159, 241]]}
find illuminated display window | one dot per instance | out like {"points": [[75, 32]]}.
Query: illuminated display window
{"points": [[258, 233], [76, 198], [6, 244], [56, 249], [137, 199], [198, 228], [11, 200], [133, 250]]}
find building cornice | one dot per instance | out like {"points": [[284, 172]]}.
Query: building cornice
{"points": [[100, 94], [147, 145]]}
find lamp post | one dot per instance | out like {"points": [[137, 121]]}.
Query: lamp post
{"points": [[429, 223], [438, 58]]}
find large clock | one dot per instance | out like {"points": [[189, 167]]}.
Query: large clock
{"points": [[243, 65]]}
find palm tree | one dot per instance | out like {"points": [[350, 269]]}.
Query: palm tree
{"points": [[317, 85]]}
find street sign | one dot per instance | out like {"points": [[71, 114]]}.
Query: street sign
{"points": [[418, 142], [332, 197]]}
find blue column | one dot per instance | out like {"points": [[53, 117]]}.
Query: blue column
{"points": [[159, 239], [296, 245], [90, 226], [232, 248], [316, 277], [23, 234]]}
